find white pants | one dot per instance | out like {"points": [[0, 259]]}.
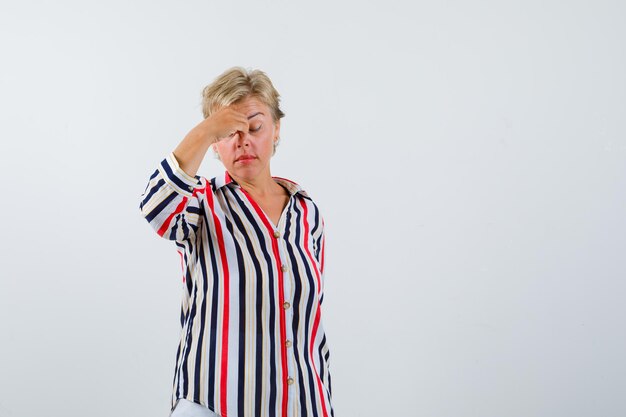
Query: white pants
{"points": [[186, 408]]}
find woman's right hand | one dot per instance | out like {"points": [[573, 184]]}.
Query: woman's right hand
{"points": [[223, 124]]}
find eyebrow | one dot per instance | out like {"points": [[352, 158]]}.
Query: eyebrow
{"points": [[255, 114]]}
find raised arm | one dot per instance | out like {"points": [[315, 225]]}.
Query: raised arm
{"points": [[170, 202]]}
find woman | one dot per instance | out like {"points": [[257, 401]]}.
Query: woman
{"points": [[252, 250]]}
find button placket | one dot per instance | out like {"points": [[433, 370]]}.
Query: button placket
{"points": [[288, 342]]}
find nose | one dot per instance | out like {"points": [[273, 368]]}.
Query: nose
{"points": [[243, 138]]}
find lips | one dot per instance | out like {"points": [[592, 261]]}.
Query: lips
{"points": [[245, 158]]}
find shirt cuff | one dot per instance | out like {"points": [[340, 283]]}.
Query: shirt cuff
{"points": [[178, 179]]}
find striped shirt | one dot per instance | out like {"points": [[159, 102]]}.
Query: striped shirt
{"points": [[252, 341]]}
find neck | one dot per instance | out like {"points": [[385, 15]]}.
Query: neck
{"points": [[260, 186]]}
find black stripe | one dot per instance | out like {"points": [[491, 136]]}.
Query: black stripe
{"points": [[316, 222], [153, 190], [172, 177], [297, 293], [241, 374], [317, 225], [188, 342], [260, 360], [322, 369], [203, 308], [153, 176], [311, 295], [327, 373], [258, 277], [162, 205], [176, 368], [214, 302], [187, 272], [180, 221]]}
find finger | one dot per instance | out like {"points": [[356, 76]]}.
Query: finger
{"points": [[242, 125]]}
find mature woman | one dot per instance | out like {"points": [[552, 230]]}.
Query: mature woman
{"points": [[252, 250]]}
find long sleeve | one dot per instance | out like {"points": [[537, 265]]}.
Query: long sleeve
{"points": [[169, 202]]}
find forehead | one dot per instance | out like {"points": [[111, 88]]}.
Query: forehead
{"points": [[250, 104]]}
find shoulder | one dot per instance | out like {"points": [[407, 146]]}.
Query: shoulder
{"points": [[219, 181], [292, 186]]}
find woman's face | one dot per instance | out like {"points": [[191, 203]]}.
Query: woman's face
{"points": [[246, 155]]}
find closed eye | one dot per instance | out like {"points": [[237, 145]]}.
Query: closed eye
{"points": [[257, 129]]}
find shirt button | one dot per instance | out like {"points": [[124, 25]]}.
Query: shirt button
{"points": [[276, 233], [290, 381], [286, 305], [284, 268], [288, 343]]}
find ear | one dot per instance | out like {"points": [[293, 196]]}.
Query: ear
{"points": [[277, 128]]}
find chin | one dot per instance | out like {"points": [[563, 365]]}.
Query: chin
{"points": [[246, 172]]}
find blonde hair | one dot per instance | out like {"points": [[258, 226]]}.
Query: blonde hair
{"points": [[237, 83]]}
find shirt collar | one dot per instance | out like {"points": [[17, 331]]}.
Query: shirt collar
{"points": [[292, 187]]}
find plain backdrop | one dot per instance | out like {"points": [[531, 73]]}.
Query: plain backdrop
{"points": [[469, 158]]}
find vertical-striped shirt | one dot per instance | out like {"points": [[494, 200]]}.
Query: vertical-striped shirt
{"points": [[252, 341]]}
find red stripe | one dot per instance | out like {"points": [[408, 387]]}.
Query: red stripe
{"points": [[224, 360], [316, 321], [179, 208], [306, 243], [166, 223], [281, 295]]}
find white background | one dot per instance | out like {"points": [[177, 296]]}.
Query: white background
{"points": [[468, 158]]}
